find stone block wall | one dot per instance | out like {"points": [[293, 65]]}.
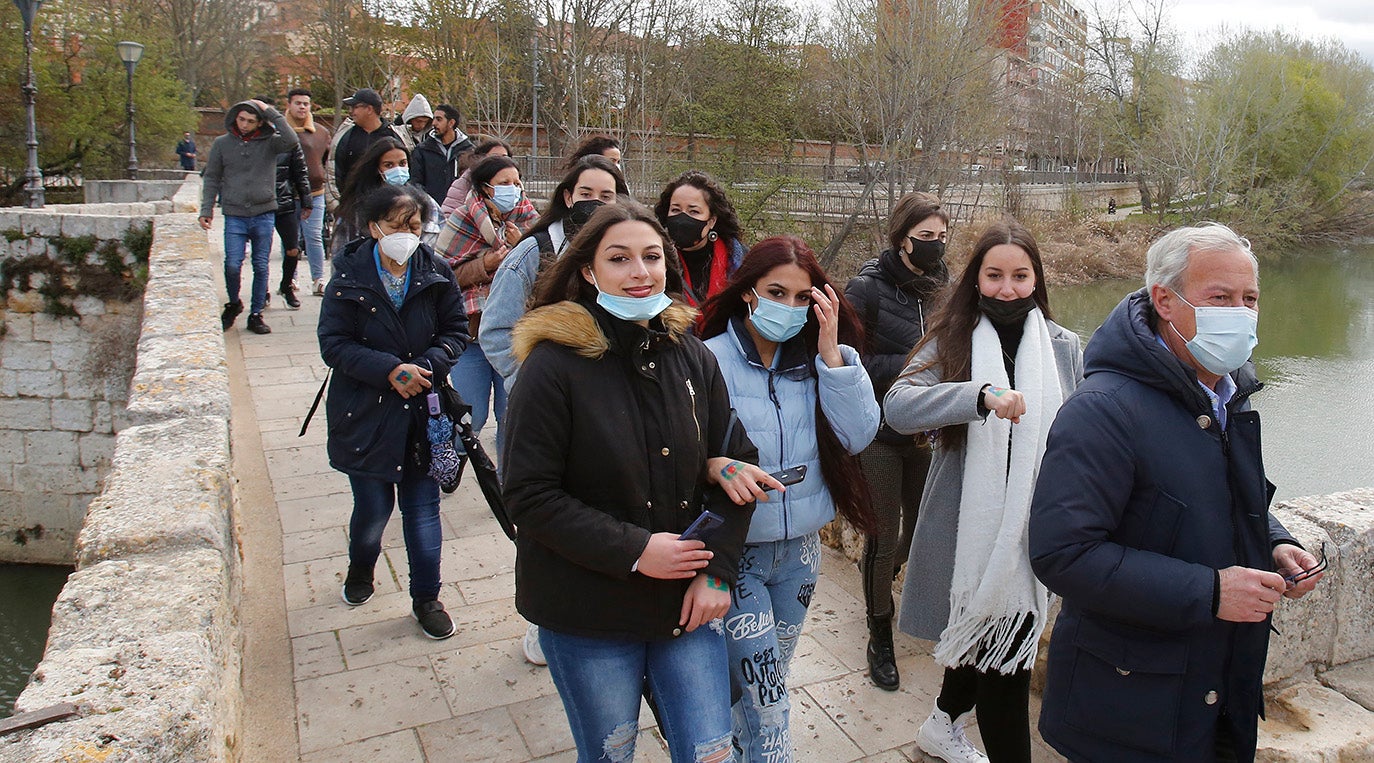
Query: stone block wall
{"points": [[70, 307], [127, 191], [145, 638]]}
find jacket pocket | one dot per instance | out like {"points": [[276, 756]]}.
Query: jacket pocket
{"points": [[1126, 690], [1154, 525]]}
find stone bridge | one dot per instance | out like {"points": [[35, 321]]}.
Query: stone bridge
{"points": [[203, 621]]}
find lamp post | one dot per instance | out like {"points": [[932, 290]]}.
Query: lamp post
{"points": [[130, 53], [33, 177]]}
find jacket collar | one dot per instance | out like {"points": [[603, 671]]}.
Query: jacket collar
{"points": [[1126, 345], [792, 354], [893, 270], [588, 329]]}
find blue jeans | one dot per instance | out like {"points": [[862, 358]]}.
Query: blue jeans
{"points": [[480, 387], [312, 230], [767, 608], [419, 499], [238, 233], [601, 681]]}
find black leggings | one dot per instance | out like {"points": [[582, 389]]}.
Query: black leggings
{"points": [[1003, 704]]}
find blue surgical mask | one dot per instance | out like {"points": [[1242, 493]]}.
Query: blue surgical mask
{"points": [[775, 321], [505, 197], [1225, 336], [632, 308], [397, 175]]}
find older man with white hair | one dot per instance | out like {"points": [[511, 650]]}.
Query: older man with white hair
{"points": [[1151, 520]]}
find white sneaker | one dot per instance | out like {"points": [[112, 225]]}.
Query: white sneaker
{"points": [[318, 289], [534, 653], [944, 738]]}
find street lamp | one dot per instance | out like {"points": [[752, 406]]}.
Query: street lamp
{"points": [[33, 177], [130, 53]]}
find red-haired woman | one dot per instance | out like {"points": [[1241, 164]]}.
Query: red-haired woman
{"points": [[785, 341]]}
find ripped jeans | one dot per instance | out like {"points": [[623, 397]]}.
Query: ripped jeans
{"points": [[601, 683], [767, 608]]}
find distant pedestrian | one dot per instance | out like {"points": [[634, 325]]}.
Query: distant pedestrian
{"points": [[596, 145], [391, 320], [457, 194], [415, 121], [314, 139], [186, 151], [434, 164], [241, 176]]}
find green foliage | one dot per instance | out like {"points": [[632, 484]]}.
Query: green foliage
{"points": [[81, 96], [73, 249]]}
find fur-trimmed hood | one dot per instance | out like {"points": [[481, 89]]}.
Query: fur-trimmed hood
{"points": [[572, 325]]}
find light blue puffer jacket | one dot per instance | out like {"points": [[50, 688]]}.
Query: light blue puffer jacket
{"points": [[778, 409]]}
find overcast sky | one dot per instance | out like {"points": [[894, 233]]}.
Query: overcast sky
{"points": [[1199, 21]]}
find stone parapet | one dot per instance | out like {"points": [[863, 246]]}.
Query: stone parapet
{"points": [[145, 639], [130, 191]]}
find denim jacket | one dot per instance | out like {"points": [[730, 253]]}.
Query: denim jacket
{"points": [[511, 286], [778, 408]]}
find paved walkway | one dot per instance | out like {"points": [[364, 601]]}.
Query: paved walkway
{"points": [[369, 687]]}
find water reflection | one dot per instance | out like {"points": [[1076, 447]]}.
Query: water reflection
{"points": [[27, 593], [1315, 355]]}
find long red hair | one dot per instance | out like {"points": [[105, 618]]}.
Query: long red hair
{"points": [[839, 469]]}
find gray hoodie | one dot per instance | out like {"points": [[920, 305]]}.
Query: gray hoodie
{"points": [[241, 172]]}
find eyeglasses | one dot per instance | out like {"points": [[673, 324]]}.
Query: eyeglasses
{"points": [[1316, 569]]}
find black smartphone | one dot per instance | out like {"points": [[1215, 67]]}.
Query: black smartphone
{"points": [[704, 525], [789, 476]]}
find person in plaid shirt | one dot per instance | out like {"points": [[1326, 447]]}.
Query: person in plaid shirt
{"points": [[474, 241]]}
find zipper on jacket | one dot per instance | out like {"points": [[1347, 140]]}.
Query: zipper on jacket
{"points": [[692, 393], [782, 439]]}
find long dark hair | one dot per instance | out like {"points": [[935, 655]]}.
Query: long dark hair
{"points": [[727, 222], [839, 468], [558, 208], [592, 145], [952, 328], [470, 159], [364, 178], [563, 280], [391, 203]]}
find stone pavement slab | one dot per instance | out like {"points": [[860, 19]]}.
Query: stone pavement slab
{"points": [[369, 687]]}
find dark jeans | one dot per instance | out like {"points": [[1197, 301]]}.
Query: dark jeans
{"points": [[239, 234], [896, 476], [419, 498]]}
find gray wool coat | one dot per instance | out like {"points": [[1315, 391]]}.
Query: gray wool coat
{"points": [[919, 401]]}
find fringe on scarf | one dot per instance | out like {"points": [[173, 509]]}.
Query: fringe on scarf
{"points": [[986, 643]]}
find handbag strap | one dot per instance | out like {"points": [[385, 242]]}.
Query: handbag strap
{"points": [[315, 405]]}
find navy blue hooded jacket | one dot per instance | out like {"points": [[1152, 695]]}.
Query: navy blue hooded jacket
{"points": [[363, 337], [1142, 498]]}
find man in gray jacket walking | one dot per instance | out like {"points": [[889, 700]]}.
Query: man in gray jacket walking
{"points": [[241, 174]]}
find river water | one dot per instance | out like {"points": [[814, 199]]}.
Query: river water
{"points": [[27, 593], [1315, 357]]}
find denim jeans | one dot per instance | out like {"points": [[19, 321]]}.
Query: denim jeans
{"points": [[239, 232], [767, 608], [419, 499], [312, 230], [601, 682], [480, 387]]}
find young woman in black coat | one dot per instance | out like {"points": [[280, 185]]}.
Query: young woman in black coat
{"points": [[392, 319], [616, 410]]}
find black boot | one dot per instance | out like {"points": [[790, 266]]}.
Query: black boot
{"points": [[288, 282], [882, 663]]}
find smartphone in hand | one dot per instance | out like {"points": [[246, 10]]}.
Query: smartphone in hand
{"points": [[703, 526], [788, 476]]}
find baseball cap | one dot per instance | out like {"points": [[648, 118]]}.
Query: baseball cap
{"points": [[367, 95]]}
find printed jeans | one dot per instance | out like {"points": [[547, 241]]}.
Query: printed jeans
{"points": [[767, 608], [601, 682], [239, 232], [419, 499]]}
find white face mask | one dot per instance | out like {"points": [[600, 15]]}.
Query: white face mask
{"points": [[398, 246]]}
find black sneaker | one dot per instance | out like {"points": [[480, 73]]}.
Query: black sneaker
{"points": [[288, 293], [256, 324], [433, 620], [232, 310], [357, 587]]}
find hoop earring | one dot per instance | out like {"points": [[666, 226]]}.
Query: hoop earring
{"points": [[712, 236]]}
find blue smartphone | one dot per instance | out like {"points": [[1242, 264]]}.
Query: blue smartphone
{"points": [[704, 525]]}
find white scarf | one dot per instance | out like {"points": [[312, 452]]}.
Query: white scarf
{"points": [[994, 591]]}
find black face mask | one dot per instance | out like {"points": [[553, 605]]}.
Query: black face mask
{"points": [[925, 255], [685, 231], [1006, 313], [579, 213]]}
